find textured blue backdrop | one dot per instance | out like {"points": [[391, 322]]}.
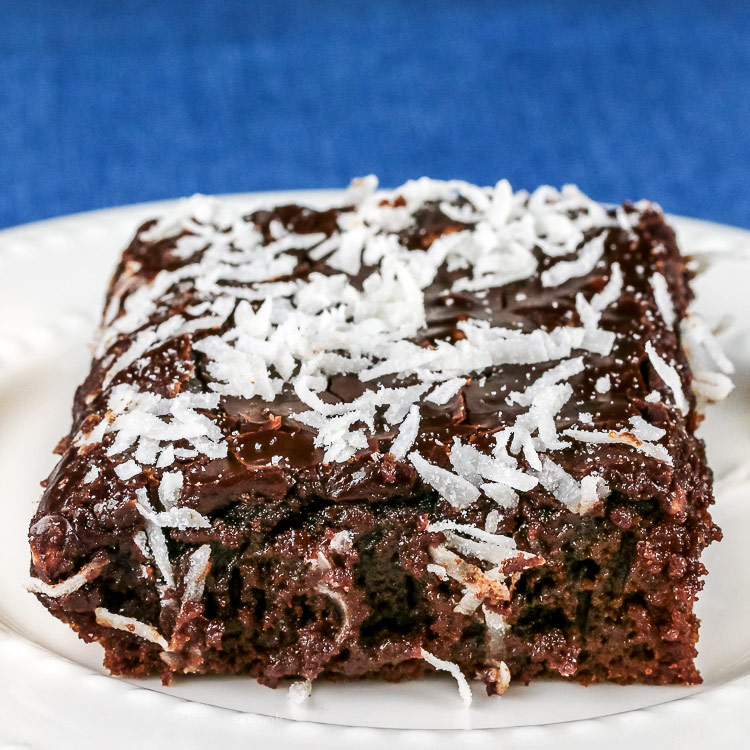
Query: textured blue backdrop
{"points": [[104, 103]]}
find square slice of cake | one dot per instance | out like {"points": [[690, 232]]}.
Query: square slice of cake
{"points": [[438, 427]]}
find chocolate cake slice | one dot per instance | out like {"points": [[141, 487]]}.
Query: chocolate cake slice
{"points": [[437, 427]]}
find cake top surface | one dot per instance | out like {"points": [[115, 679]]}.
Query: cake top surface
{"points": [[478, 341]]}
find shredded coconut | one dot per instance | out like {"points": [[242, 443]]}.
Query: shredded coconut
{"points": [[444, 392], [448, 666], [491, 522], [670, 377], [341, 540], [711, 387], [603, 384], [455, 489], [711, 367], [195, 578], [645, 431], [663, 299], [298, 332], [340, 602], [407, 434], [156, 540], [589, 255], [495, 621], [492, 548], [299, 692], [130, 625], [127, 470], [611, 292], [175, 518], [146, 420], [578, 496], [563, 371], [653, 450], [474, 466], [502, 494], [437, 570], [502, 674], [87, 573], [170, 488]]}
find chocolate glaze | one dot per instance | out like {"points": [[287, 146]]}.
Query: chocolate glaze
{"points": [[259, 431]]}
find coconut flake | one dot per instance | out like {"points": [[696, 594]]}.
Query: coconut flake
{"points": [[182, 518], [187, 214], [670, 377], [653, 450], [711, 387], [594, 338], [471, 540], [491, 522], [563, 371], [625, 220], [603, 384], [176, 518], [156, 540], [444, 392], [170, 488], [456, 490], [473, 465], [645, 431], [340, 602], [166, 457], [502, 494], [448, 666], [663, 299], [86, 574], [495, 621], [536, 430], [348, 256], [611, 292], [407, 434], [135, 415], [361, 188], [476, 583], [130, 625], [195, 578], [578, 496], [127, 470], [589, 255], [341, 540], [141, 541], [437, 570], [703, 350], [501, 675], [299, 692]]}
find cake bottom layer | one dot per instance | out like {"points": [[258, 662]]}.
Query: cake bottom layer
{"points": [[344, 591]]}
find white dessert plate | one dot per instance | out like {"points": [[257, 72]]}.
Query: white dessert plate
{"points": [[54, 690]]}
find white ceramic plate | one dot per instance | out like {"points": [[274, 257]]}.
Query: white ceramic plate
{"points": [[52, 686]]}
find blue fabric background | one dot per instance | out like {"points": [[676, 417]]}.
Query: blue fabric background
{"points": [[105, 103]]}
